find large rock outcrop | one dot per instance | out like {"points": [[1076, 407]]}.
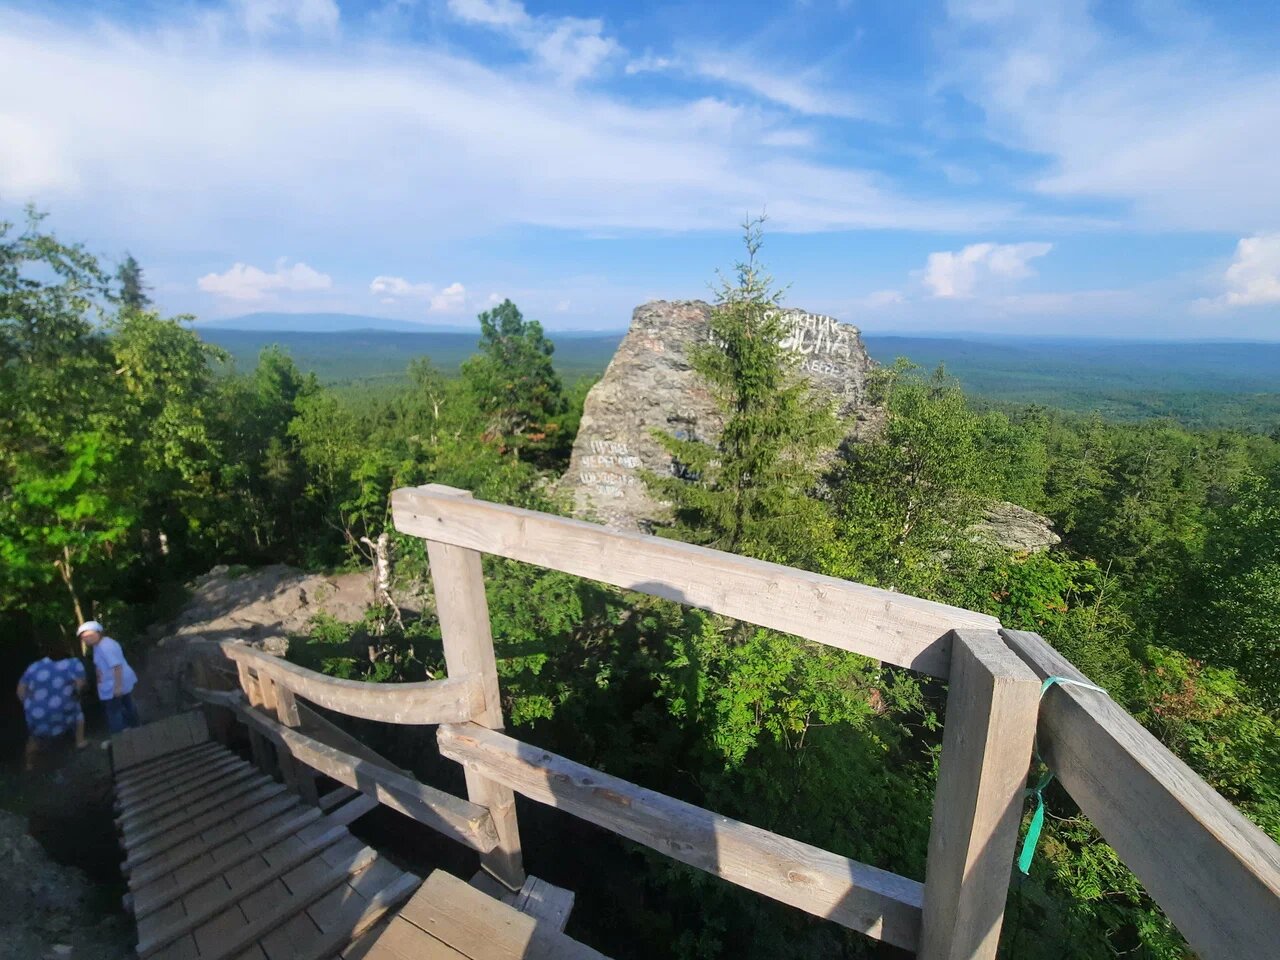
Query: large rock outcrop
{"points": [[651, 386], [1016, 528]]}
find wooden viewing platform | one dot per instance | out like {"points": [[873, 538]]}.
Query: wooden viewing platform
{"points": [[226, 861]]}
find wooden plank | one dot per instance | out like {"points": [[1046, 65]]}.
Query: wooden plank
{"points": [[211, 908], [153, 740], [463, 611], [430, 702], [401, 940], [171, 839], [238, 940], [146, 903], [482, 928], [1214, 873], [159, 826], [888, 626], [141, 771], [184, 797], [142, 776], [354, 918], [337, 797], [977, 806], [208, 768], [466, 822], [212, 841], [864, 898]]}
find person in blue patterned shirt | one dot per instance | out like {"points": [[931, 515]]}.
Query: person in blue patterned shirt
{"points": [[50, 695]]}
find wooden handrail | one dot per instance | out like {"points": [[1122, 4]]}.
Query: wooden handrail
{"points": [[1211, 869], [1215, 874], [466, 822], [888, 626], [873, 901], [451, 700]]}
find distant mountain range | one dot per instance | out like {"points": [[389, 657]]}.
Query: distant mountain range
{"points": [[264, 322], [325, 323]]}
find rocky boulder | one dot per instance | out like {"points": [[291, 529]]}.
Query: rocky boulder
{"points": [[1016, 528], [262, 607], [651, 386]]}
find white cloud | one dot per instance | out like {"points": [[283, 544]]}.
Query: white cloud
{"points": [[573, 48], [1180, 132], [449, 300], [1253, 278], [163, 133], [491, 13], [248, 283], [267, 18], [649, 63], [393, 288], [962, 272], [799, 90]]}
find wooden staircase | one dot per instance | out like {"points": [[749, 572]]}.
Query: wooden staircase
{"points": [[228, 859]]}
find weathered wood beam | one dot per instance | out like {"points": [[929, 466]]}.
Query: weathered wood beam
{"points": [[435, 701], [888, 626], [463, 611], [463, 821], [864, 898], [1214, 873], [977, 806]]}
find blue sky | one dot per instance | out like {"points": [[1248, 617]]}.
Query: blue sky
{"points": [[978, 165]]}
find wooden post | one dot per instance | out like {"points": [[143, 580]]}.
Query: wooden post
{"points": [[257, 743], [986, 749], [302, 777], [284, 764], [468, 651]]}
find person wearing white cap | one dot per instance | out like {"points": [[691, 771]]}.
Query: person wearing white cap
{"points": [[116, 678]]}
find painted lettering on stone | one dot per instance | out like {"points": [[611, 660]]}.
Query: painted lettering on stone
{"points": [[812, 334]]}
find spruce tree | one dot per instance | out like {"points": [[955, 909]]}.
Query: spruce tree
{"points": [[133, 291], [513, 382], [752, 490]]}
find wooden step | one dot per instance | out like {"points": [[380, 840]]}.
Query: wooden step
{"points": [[448, 918], [130, 748]]}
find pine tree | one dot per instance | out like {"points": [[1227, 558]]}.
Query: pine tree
{"points": [[133, 291], [513, 381], [752, 490]]}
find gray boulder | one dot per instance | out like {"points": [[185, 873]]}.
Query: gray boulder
{"points": [[1016, 528], [650, 385]]}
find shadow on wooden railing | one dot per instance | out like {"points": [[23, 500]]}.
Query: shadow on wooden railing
{"points": [[1215, 874]]}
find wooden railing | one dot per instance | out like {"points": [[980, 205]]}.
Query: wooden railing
{"points": [[1215, 874]]}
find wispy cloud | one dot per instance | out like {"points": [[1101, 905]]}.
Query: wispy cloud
{"points": [[801, 90], [174, 128], [268, 18], [573, 48], [961, 273], [1178, 131], [248, 283]]}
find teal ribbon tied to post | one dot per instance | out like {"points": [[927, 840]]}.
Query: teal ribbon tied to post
{"points": [[1037, 818]]}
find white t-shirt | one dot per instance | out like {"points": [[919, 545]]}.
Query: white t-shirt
{"points": [[106, 656]]}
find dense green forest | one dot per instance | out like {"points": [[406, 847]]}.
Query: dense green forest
{"points": [[131, 460], [1212, 384]]}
